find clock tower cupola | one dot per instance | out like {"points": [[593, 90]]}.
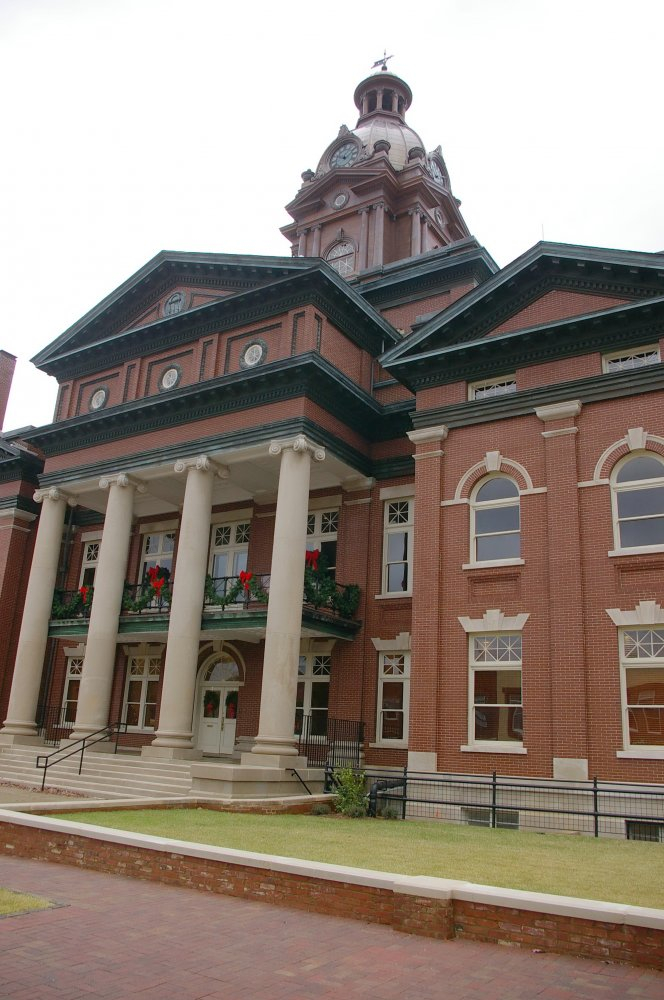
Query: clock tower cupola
{"points": [[376, 196]]}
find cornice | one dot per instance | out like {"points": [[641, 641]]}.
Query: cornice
{"points": [[319, 286], [524, 403], [19, 503]]}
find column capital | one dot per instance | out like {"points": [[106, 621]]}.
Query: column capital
{"points": [[122, 479], [202, 463], [299, 443], [54, 493], [380, 206]]}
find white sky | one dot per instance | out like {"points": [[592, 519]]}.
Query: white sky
{"points": [[133, 126]]}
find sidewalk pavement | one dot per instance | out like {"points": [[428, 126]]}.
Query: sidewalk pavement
{"points": [[117, 938]]}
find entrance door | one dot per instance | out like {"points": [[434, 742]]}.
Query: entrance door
{"points": [[216, 730]]}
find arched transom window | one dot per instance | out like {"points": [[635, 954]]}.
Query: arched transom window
{"points": [[495, 520], [341, 257], [638, 502]]}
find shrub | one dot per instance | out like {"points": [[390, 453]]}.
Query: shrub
{"points": [[350, 798], [390, 812], [320, 809]]}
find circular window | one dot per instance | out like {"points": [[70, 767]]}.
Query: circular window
{"points": [[170, 377], [98, 399], [253, 354], [174, 304], [342, 257], [340, 200]]}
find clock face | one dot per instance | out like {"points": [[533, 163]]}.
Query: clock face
{"points": [[435, 170], [344, 155]]}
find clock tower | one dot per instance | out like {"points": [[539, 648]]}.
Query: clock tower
{"points": [[376, 196]]}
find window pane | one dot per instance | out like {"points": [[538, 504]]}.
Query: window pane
{"points": [[132, 715], [503, 724], [220, 565], [391, 725], [397, 546], [645, 531], [646, 726], [498, 687], [319, 722], [642, 467], [319, 694], [645, 686], [498, 547], [239, 563], [644, 643], [392, 695], [496, 519], [497, 489], [640, 503], [397, 577]]}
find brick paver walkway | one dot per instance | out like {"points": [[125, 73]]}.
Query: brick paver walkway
{"points": [[115, 938]]}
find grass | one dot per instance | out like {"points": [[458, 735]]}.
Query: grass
{"points": [[621, 871], [20, 902]]}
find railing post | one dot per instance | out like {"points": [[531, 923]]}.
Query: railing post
{"points": [[596, 806], [405, 793], [494, 797]]}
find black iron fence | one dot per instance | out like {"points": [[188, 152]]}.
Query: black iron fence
{"points": [[330, 742], [54, 723], [597, 808]]}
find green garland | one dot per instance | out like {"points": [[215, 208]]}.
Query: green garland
{"points": [[71, 608], [236, 593], [147, 596]]}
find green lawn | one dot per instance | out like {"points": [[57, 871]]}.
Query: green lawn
{"points": [[20, 902], [623, 871]]}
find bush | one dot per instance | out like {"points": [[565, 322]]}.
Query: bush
{"points": [[350, 799], [390, 812], [320, 809]]}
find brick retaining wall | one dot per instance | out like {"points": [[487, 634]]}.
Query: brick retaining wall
{"points": [[430, 907]]}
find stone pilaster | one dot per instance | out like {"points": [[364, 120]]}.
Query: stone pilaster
{"points": [[284, 616], [29, 664], [98, 666]]}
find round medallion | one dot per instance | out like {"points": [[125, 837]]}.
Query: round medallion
{"points": [[438, 216], [253, 354], [98, 399], [174, 304], [435, 171], [170, 377], [344, 155], [340, 200]]}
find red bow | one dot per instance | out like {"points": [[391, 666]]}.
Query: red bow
{"points": [[153, 573], [245, 580], [83, 591], [157, 585], [311, 558]]}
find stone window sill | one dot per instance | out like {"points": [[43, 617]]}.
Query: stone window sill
{"points": [[492, 563], [493, 748]]}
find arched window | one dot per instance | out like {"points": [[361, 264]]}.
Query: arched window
{"points": [[638, 502], [495, 520], [341, 257]]}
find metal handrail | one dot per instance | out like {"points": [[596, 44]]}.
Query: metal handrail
{"points": [[44, 761]]}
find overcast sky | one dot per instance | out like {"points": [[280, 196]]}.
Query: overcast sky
{"points": [[133, 126]]}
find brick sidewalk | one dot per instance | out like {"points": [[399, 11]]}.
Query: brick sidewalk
{"points": [[116, 938]]}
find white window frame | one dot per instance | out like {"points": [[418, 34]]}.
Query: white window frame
{"points": [[73, 675], [239, 533], [316, 669], [627, 662], [89, 561], [514, 501], [630, 358], [150, 671], [322, 526], [153, 559], [637, 484], [393, 509], [484, 666], [388, 659], [489, 388]]}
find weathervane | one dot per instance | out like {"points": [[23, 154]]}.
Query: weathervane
{"points": [[382, 62]]}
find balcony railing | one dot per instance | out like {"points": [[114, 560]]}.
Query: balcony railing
{"points": [[248, 591]]}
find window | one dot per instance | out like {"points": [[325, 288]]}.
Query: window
{"points": [[72, 686], [322, 527], [626, 360], [653, 832], [493, 387], [89, 567], [140, 700], [313, 688], [496, 710], [638, 502], [157, 551], [495, 517], [642, 662], [342, 257], [230, 545], [397, 547], [393, 697], [505, 819]]}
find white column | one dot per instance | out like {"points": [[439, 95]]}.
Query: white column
{"points": [[184, 627], [94, 695], [29, 664], [284, 614]]}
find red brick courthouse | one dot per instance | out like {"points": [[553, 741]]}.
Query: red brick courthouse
{"points": [[461, 468]]}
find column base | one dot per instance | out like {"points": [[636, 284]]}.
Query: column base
{"points": [[156, 752], [177, 740], [269, 746]]}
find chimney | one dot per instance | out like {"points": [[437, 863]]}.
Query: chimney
{"points": [[7, 365]]}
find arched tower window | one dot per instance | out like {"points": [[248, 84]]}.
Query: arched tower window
{"points": [[495, 527], [341, 256], [638, 502]]}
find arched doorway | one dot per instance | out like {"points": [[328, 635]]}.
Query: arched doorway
{"points": [[220, 679]]}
